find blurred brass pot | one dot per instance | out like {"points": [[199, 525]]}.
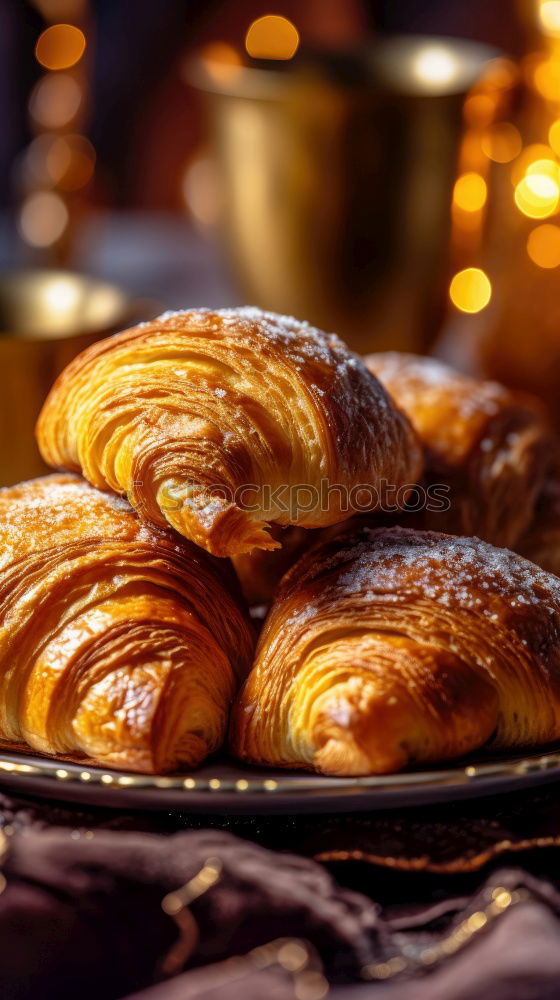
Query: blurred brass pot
{"points": [[46, 318], [336, 178]]}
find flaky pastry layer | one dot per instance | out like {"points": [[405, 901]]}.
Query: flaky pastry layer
{"points": [[488, 446], [394, 646], [119, 642], [223, 422]]}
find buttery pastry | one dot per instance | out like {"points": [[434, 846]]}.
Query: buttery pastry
{"points": [[119, 642], [488, 447], [221, 423], [394, 646]]}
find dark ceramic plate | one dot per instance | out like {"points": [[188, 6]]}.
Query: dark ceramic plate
{"points": [[223, 786]]}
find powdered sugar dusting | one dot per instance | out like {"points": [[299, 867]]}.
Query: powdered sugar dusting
{"points": [[301, 340], [444, 568], [325, 370], [61, 508]]}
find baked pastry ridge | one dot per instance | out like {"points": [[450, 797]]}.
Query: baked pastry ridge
{"points": [[222, 422], [119, 642], [488, 446], [395, 646]]}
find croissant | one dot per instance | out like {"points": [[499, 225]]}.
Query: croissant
{"points": [[221, 423], [394, 646], [488, 447], [119, 642]]}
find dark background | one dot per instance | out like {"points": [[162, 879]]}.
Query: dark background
{"points": [[137, 50]]}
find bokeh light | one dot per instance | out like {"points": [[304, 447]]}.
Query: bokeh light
{"points": [[55, 100], [43, 218], [470, 192], [221, 61], [499, 74], [537, 196], [58, 158], [543, 245], [70, 162], [554, 137], [272, 37], [62, 295], [501, 142], [546, 166], [479, 110], [435, 64], [470, 290], [549, 17], [536, 151], [34, 160], [202, 191], [60, 46], [546, 78], [61, 10]]}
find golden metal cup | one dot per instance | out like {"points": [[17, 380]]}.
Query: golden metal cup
{"points": [[337, 179], [46, 318]]}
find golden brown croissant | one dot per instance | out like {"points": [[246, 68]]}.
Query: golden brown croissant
{"points": [[118, 642], [395, 646], [224, 422], [490, 447]]}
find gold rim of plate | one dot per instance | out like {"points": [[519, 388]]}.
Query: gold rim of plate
{"points": [[243, 780]]}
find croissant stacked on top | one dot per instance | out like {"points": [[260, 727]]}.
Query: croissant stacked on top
{"points": [[487, 452], [125, 643], [213, 421]]}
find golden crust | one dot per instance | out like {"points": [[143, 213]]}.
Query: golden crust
{"points": [[181, 413], [393, 646], [119, 642], [489, 446]]}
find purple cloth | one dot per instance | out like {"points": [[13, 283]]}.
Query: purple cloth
{"points": [[81, 911], [82, 916], [514, 955]]}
